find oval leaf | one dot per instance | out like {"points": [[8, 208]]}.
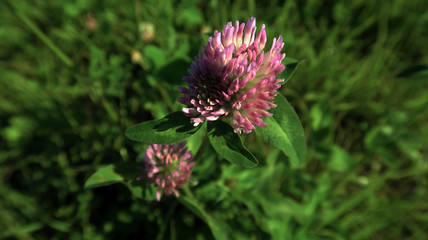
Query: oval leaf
{"points": [[104, 176], [173, 128], [125, 173], [285, 131], [229, 145]]}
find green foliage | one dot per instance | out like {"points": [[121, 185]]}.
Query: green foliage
{"points": [[218, 229], [290, 66], [285, 131], [76, 74], [229, 145], [171, 129], [104, 176], [125, 173]]}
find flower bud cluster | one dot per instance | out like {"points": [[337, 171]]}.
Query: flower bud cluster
{"points": [[168, 167]]}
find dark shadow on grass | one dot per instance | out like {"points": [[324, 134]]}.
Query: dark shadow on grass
{"points": [[418, 71], [173, 71]]}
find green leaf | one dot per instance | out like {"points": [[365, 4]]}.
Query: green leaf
{"points": [[173, 128], [289, 60], [285, 131], [104, 176], [229, 145], [140, 189], [290, 66], [126, 173]]}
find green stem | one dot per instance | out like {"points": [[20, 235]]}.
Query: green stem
{"points": [[162, 229], [201, 149], [193, 205], [187, 192]]}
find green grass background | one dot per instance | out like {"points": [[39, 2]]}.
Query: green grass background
{"points": [[69, 89]]}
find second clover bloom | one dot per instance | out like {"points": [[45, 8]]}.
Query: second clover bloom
{"points": [[233, 78], [167, 167]]}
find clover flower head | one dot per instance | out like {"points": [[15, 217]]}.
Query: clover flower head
{"points": [[233, 78], [168, 167]]}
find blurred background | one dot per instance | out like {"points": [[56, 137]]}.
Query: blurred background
{"points": [[75, 74]]}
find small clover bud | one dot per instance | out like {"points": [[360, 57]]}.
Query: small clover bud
{"points": [[167, 167]]}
